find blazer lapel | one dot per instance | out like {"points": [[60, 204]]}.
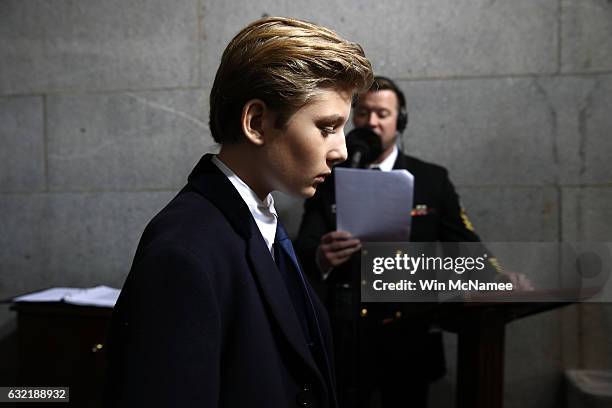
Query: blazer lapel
{"points": [[276, 295], [400, 161], [207, 179], [311, 312]]}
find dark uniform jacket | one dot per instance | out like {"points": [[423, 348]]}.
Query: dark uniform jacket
{"points": [[437, 216], [205, 319]]}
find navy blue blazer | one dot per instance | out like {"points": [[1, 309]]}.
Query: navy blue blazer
{"points": [[204, 318]]}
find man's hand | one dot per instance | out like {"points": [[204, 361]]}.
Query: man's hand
{"points": [[336, 248]]}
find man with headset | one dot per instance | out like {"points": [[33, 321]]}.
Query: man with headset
{"points": [[399, 356]]}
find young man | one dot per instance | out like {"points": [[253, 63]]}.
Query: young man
{"points": [[215, 311]]}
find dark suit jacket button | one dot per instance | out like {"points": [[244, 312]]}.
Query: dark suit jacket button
{"points": [[305, 399]]}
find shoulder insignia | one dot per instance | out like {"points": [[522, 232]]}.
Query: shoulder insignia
{"points": [[496, 265], [466, 221]]}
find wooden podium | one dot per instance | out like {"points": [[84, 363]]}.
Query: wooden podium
{"points": [[480, 324]]}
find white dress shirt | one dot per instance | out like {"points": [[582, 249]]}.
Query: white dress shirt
{"points": [[387, 164]]}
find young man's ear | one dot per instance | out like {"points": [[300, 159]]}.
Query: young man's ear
{"points": [[256, 119]]}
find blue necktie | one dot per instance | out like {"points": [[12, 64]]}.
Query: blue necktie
{"points": [[288, 265], [302, 302], [283, 239]]}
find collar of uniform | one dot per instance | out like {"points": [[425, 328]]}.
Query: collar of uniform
{"points": [[263, 212], [387, 164]]}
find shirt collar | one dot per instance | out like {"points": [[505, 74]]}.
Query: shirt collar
{"points": [[387, 164], [263, 212]]}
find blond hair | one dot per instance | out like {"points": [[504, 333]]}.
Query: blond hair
{"points": [[283, 62]]}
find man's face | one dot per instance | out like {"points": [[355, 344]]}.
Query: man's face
{"points": [[378, 111], [300, 155]]}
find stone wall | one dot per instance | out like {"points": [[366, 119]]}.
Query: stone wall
{"points": [[103, 112]]}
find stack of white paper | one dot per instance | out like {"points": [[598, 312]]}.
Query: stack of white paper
{"points": [[374, 205], [102, 296]]}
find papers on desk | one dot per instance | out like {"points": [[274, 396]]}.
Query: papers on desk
{"points": [[374, 205], [101, 296]]}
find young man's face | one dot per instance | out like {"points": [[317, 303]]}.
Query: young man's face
{"points": [[301, 154], [378, 110]]}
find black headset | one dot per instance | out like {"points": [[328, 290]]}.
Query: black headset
{"points": [[402, 115]]}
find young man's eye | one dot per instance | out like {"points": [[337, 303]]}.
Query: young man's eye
{"points": [[328, 130]]}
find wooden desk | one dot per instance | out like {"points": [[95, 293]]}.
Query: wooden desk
{"points": [[63, 345]]}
